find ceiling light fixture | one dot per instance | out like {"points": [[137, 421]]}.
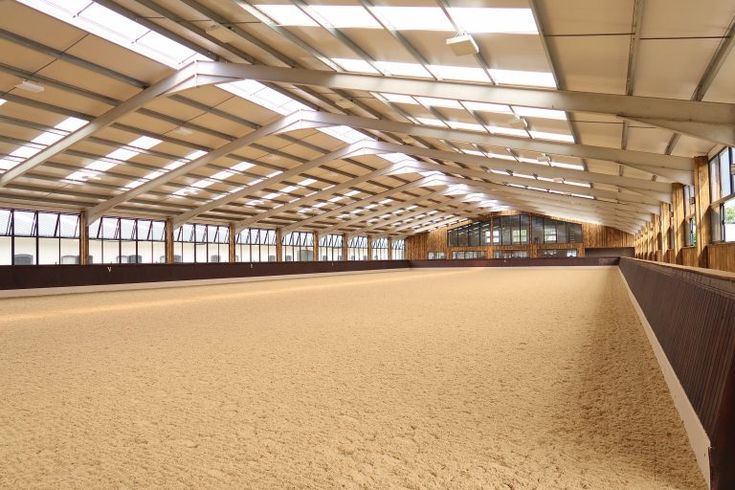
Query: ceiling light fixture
{"points": [[463, 45], [29, 86]]}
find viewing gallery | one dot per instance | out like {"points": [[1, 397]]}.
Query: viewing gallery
{"points": [[367, 244]]}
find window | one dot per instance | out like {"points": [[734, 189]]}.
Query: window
{"points": [[38, 238], [722, 187], [380, 249], [357, 248], [399, 249], [561, 252], [115, 240], [437, 256], [510, 254], [690, 219], [201, 243], [255, 245], [298, 246], [330, 248], [471, 254]]}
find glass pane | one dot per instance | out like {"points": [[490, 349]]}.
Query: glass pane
{"points": [[95, 251], [70, 250], [128, 255], [48, 250], [144, 229], [728, 210], [127, 229], [47, 224], [94, 229], [111, 252], [158, 231], [69, 226], [714, 178], [23, 221], [4, 223], [5, 247], [159, 252], [109, 228], [25, 251], [725, 180]]}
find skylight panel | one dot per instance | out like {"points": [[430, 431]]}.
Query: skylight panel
{"points": [[345, 133], [467, 126], [116, 24], [171, 166], [44, 139], [2, 101], [430, 121], [508, 131], [414, 18], [501, 156], [572, 166], [567, 138], [116, 28], [399, 98], [487, 107], [272, 195], [287, 15], [346, 16], [122, 154], [289, 188], [351, 193], [578, 184], [465, 73], [526, 78], [543, 113], [444, 103], [355, 65], [494, 20], [306, 182]]}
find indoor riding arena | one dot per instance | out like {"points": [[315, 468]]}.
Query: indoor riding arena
{"points": [[375, 244]]}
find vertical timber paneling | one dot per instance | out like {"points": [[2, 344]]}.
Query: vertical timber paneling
{"points": [[702, 202]]}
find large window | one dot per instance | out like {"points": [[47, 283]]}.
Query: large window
{"points": [[470, 254], [126, 241], [357, 248], [518, 229], [690, 217], [561, 252], [437, 255], [298, 246], [722, 188], [510, 254], [380, 249], [256, 245], [399, 249], [37, 237], [330, 248], [201, 243]]}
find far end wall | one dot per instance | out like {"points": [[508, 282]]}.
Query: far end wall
{"points": [[593, 236]]}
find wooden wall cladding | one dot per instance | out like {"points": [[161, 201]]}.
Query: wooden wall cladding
{"points": [[688, 256], [598, 236], [692, 314], [721, 256]]}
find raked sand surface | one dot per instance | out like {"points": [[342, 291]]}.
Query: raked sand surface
{"points": [[465, 378]]}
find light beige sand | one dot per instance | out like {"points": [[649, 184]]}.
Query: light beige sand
{"points": [[484, 378]]}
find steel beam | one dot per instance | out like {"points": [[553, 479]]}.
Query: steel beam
{"points": [[343, 209], [633, 107], [281, 124], [344, 152], [630, 157], [106, 119]]}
